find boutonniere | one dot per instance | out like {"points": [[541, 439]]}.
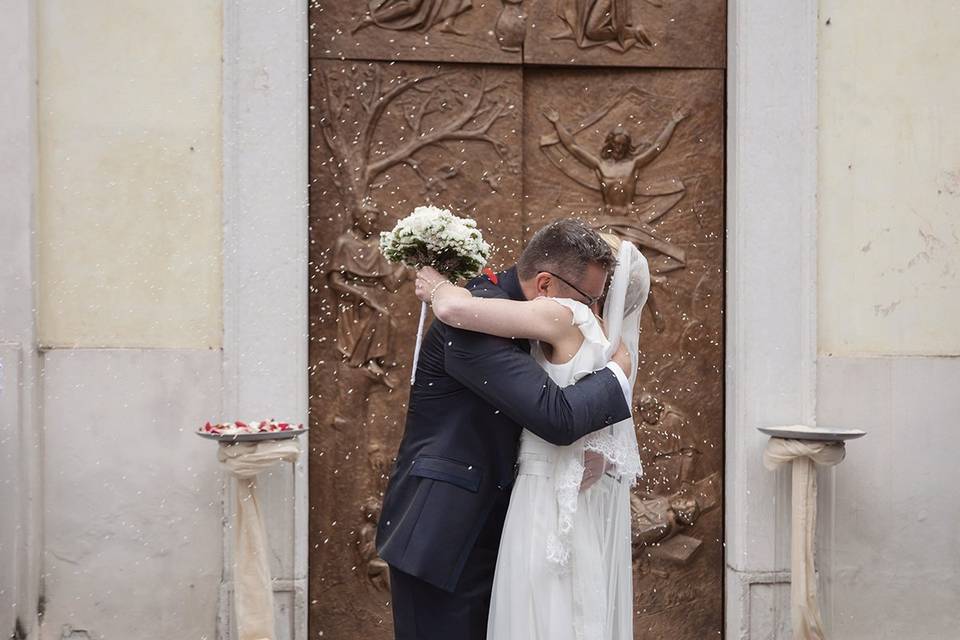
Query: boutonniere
{"points": [[491, 276]]}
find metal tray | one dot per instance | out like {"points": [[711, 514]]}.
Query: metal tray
{"points": [[813, 433], [252, 437]]}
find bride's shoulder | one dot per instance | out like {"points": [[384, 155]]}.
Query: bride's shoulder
{"points": [[554, 309], [578, 313], [588, 324]]}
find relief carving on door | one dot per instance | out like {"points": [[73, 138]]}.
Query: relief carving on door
{"points": [[427, 30], [417, 15], [385, 138], [609, 23], [637, 152], [632, 33]]}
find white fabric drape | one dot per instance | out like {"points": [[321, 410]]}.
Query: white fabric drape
{"points": [[804, 455], [252, 585], [626, 297]]}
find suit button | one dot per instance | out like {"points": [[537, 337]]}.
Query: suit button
{"points": [[500, 486]]}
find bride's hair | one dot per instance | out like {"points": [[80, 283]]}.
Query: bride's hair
{"points": [[639, 286]]}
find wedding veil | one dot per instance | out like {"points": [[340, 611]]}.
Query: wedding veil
{"points": [[626, 296]]}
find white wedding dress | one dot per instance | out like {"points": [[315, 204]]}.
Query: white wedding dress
{"points": [[564, 571]]}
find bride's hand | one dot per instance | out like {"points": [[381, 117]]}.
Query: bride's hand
{"points": [[624, 360], [427, 279], [594, 466]]}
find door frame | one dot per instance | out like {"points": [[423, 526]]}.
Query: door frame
{"points": [[771, 294], [771, 186], [265, 323]]}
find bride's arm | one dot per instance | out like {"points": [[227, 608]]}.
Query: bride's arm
{"points": [[539, 319]]}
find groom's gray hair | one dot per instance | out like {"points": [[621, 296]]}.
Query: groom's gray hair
{"points": [[565, 246]]}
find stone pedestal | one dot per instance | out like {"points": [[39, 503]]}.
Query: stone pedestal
{"points": [[804, 448]]}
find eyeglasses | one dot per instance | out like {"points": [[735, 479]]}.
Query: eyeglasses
{"points": [[591, 300]]}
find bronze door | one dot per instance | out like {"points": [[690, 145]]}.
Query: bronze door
{"points": [[516, 113]]}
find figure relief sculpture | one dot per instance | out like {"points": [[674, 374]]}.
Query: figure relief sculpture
{"points": [[656, 520], [378, 573], [666, 452], [617, 166], [511, 27], [615, 171], [363, 280], [669, 501], [414, 15], [660, 522], [609, 23]]}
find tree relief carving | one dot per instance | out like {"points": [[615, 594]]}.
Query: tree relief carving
{"points": [[431, 111]]}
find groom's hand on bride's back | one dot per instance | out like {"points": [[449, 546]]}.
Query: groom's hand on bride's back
{"points": [[623, 360]]}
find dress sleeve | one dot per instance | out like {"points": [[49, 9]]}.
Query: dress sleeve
{"points": [[596, 349]]}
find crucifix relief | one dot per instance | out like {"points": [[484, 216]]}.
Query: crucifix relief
{"points": [[619, 162], [615, 172]]}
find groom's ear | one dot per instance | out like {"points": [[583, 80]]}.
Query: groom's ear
{"points": [[542, 283]]}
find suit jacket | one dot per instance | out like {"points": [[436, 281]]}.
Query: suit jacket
{"points": [[474, 393]]}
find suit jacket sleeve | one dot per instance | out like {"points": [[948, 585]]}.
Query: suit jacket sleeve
{"points": [[505, 376]]}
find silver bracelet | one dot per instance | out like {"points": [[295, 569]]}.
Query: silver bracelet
{"points": [[433, 291]]}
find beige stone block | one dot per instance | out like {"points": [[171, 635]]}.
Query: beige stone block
{"points": [[130, 215]]}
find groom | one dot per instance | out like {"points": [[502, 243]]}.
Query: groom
{"points": [[444, 508]]}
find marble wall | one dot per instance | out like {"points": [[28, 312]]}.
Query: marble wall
{"points": [[132, 544], [889, 275], [892, 547], [128, 249], [889, 229], [20, 441], [129, 108]]}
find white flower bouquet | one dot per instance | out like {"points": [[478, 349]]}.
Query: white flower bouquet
{"points": [[435, 237]]}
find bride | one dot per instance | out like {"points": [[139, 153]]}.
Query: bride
{"points": [[564, 565]]}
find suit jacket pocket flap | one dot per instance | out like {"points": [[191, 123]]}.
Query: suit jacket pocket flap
{"points": [[463, 475]]}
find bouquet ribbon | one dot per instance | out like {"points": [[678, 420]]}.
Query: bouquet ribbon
{"points": [[416, 349]]}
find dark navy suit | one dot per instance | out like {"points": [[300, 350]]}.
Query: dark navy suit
{"points": [[444, 508]]}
